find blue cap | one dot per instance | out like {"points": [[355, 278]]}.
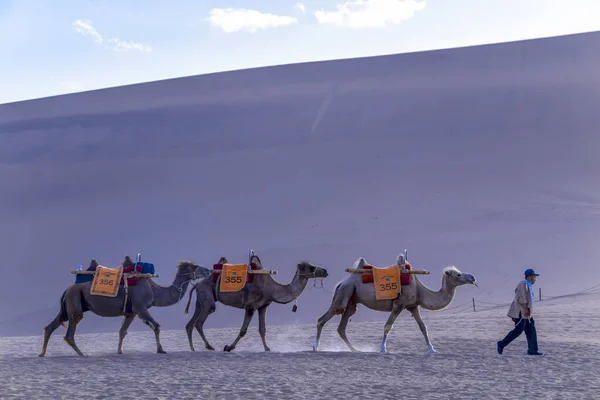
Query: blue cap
{"points": [[530, 272]]}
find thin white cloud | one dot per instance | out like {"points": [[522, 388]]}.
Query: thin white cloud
{"points": [[122, 45], [86, 27], [300, 7], [241, 19], [370, 13]]}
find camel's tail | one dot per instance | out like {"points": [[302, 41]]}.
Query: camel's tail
{"points": [[187, 307], [340, 299], [63, 309], [336, 287]]}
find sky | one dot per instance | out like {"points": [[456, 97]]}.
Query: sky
{"points": [[57, 47]]}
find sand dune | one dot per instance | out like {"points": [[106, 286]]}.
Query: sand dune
{"points": [[482, 157]]}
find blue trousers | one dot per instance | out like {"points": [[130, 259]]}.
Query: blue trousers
{"points": [[527, 325]]}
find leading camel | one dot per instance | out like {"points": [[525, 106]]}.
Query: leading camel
{"points": [[257, 295], [351, 292], [76, 300]]}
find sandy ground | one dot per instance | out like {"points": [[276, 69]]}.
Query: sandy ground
{"points": [[465, 367]]}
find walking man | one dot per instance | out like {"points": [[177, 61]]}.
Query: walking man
{"points": [[520, 312]]}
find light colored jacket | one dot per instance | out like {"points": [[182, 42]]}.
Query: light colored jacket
{"points": [[522, 298]]}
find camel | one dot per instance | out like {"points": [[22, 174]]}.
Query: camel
{"points": [[257, 295], [76, 300], [351, 291]]}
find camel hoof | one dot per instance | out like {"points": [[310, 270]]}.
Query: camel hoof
{"points": [[161, 351], [42, 355], [209, 347], [227, 348], [267, 349]]}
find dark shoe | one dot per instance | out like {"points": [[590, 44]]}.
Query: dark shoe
{"points": [[499, 348], [535, 353]]}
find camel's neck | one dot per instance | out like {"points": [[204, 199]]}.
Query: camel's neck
{"points": [[284, 294], [432, 300], [167, 296]]}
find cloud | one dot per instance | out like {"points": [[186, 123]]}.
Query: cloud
{"points": [[370, 13], [241, 19], [300, 7], [86, 27], [122, 45]]}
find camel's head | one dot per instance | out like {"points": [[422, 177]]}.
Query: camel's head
{"points": [[311, 271], [192, 271], [457, 278]]}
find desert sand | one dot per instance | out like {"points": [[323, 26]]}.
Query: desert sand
{"points": [[465, 367]]}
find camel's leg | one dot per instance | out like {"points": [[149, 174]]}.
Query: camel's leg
{"points": [[70, 335], [189, 327], [396, 309], [243, 330], [200, 315], [123, 331], [49, 329], [200, 327], [262, 326], [340, 300], [145, 316], [350, 311], [321, 323], [417, 315]]}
